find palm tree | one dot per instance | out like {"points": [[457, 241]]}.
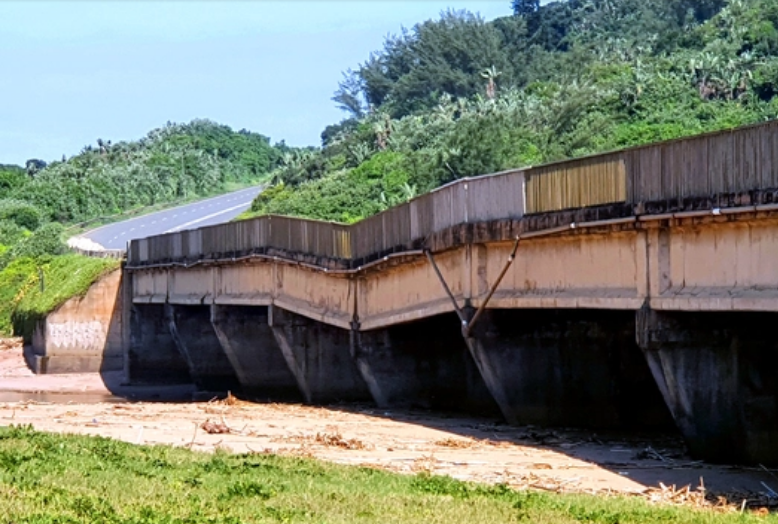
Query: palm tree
{"points": [[491, 75]]}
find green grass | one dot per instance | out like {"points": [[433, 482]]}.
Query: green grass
{"points": [[47, 479], [24, 298]]}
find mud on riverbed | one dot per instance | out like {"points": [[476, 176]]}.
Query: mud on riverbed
{"points": [[406, 441]]}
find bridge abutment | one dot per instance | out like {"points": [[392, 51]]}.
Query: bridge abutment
{"points": [[152, 355], [716, 372], [421, 364], [319, 357], [194, 336], [566, 367], [251, 348]]}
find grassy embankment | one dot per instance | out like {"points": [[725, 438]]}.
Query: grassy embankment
{"points": [[25, 297], [22, 298], [46, 478]]}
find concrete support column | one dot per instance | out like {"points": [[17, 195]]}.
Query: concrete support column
{"points": [[152, 355], [319, 357], [421, 364], [717, 373], [251, 348], [570, 368], [194, 336]]}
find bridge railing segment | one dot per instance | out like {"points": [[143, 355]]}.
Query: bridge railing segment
{"points": [[706, 166], [724, 162]]}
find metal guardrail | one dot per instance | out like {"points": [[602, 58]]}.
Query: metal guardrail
{"points": [[107, 253], [731, 161]]}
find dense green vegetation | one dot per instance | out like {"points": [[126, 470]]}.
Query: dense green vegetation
{"points": [[171, 164], [47, 479], [459, 96]]}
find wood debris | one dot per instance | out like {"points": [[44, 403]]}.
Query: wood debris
{"points": [[7, 344], [424, 464], [454, 443], [678, 496], [215, 428], [337, 440], [545, 483], [758, 503], [333, 439]]}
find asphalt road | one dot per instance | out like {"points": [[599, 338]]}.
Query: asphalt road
{"points": [[190, 216]]}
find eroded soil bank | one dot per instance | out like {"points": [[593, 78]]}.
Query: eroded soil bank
{"points": [[467, 448]]}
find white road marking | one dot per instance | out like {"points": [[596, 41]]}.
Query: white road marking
{"points": [[244, 196], [251, 190], [206, 217]]}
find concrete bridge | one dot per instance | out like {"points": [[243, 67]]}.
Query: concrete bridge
{"points": [[632, 289]]}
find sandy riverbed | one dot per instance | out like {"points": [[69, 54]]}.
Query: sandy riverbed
{"points": [[398, 440]]}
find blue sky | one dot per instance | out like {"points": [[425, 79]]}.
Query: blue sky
{"points": [[74, 72]]}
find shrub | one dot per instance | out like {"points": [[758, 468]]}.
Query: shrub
{"points": [[45, 241], [21, 213]]}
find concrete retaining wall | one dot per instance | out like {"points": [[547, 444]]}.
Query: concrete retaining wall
{"points": [[85, 334]]}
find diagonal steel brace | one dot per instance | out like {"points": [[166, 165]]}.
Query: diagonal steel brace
{"points": [[467, 324]]}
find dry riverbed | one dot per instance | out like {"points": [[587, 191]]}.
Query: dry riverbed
{"points": [[406, 441]]}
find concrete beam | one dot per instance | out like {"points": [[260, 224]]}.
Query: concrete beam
{"points": [[194, 336], [319, 357], [573, 368], [421, 364], [716, 372], [251, 348]]}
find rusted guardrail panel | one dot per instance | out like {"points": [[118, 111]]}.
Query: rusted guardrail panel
{"points": [[579, 183], [495, 196], [731, 161], [447, 207], [396, 224]]}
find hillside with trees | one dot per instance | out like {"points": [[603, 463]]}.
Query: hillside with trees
{"points": [[171, 164], [458, 96]]}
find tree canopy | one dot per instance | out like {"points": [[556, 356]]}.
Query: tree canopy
{"points": [[171, 163], [458, 96]]}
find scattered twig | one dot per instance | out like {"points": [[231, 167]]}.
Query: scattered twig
{"points": [[191, 443]]}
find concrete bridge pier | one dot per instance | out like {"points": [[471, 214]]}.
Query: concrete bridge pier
{"points": [[717, 374], [421, 364], [152, 355], [319, 357], [194, 336], [566, 367], [249, 344]]}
